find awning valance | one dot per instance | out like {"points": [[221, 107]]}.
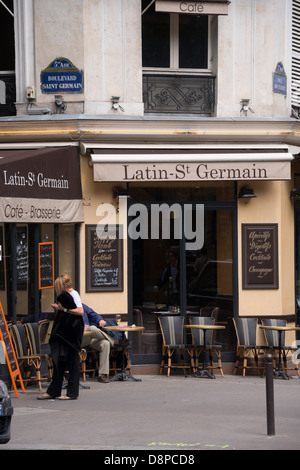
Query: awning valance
{"points": [[206, 7], [143, 167], [40, 186]]}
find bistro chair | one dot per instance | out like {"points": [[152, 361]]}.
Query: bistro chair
{"points": [[246, 333], [33, 331], [119, 353], [148, 340], [89, 361], [172, 335], [45, 328], [198, 343], [272, 341], [116, 358], [24, 353]]}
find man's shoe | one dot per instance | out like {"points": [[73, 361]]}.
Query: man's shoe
{"points": [[103, 379]]}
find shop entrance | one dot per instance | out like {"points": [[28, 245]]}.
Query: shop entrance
{"points": [[20, 295], [166, 276]]}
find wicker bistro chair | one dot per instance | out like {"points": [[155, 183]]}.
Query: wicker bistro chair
{"points": [[246, 332], [25, 354], [272, 341], [172, 336], [34, 331], [45, 328], [198, 344]]}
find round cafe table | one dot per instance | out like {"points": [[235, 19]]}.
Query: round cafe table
{"points": [[280, 329], [123, 375], [204, 372]]}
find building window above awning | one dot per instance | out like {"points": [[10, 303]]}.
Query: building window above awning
{"points": [[207, 7]]}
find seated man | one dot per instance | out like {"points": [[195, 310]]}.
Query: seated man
{"points": [[99, 340]]}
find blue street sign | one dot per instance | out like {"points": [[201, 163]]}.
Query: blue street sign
{"points": [[280, 80], [61, 76]]}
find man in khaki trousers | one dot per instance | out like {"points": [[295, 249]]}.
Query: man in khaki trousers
{"points": [[98, 339]]}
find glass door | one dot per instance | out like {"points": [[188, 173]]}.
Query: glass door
{"points": [[165, 276]]}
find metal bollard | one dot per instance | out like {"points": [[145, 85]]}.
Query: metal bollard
{"points": [[270, 395]]}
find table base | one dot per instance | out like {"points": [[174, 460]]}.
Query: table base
{"points": [[202, 373], [281, 373], [124, 376]]}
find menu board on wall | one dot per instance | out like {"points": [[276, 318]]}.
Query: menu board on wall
{"points": [[21, 257], [46, 267], [104, 260], [260, 256]]}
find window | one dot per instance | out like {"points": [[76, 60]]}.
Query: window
{"points": [[174, 41], [7, 61]]}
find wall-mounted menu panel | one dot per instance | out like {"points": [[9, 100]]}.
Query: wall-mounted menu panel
{"points": [[46, 265], [260, 256], [104, 260]]}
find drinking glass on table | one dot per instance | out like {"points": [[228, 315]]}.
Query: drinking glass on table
{"points": [[118, 319]]}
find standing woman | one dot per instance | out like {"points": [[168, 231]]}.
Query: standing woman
{"points": [[65, 340]]}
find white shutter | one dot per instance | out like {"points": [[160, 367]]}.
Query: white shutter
{"points": [[296, 54]]}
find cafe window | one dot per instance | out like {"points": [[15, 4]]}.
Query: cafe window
{"points": [[173, 41], [20, 295]]}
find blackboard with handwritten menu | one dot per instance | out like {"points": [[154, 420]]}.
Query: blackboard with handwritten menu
{"points": [[104, 259], [46, 265]]}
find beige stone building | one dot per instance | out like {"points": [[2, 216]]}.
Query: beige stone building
{"points": [[110, 109]]}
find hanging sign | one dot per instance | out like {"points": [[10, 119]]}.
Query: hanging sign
{"points": [[61, 76], [10, 355]]}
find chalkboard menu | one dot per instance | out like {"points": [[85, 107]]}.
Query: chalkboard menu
{"points": [[10, 354], [104, 259], [21, 257], [46, 268], [260, 256]]}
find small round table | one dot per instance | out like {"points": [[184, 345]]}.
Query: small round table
{"points": [[204, 372], [123, 375], [279, 372]]}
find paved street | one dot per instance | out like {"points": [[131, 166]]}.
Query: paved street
{"points": [[160, 414]]}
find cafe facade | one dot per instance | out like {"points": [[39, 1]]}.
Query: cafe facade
{"points": [[231, 224], [112, 183]]}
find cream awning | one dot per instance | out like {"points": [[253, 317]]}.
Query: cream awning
{"points": [[40, 186], [172, 166]]}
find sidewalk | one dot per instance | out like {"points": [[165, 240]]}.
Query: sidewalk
{"points": [[160, 414]]}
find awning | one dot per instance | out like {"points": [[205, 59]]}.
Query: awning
{"points": [[207, 7], [191, 166], [40, 186]]}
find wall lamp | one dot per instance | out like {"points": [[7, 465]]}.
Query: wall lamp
{"points": [[246, 192], [295, 194]]}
